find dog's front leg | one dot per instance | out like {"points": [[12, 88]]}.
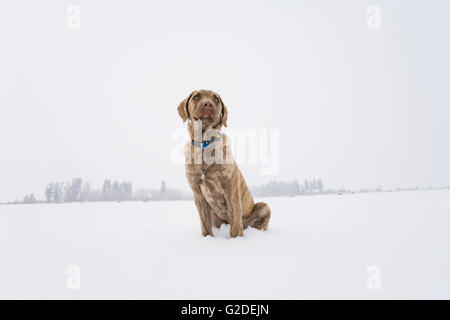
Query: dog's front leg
{"points": [[204, 211], [235, 211]]}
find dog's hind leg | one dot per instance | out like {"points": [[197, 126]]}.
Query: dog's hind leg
{"points": [[259, 217]]}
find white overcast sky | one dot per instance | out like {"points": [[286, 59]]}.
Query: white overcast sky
{"points": [[356, 108]]}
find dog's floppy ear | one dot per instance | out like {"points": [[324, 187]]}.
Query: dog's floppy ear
{"points": [[183, 108], [224, 115]]}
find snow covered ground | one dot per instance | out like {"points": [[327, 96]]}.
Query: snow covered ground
{"points": [[316, 247]]}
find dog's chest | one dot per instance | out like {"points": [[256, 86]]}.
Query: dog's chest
{"points": [[207, 178], [212, 190]]}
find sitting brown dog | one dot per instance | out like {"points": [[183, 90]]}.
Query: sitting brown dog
{"points": [[220, 192]]}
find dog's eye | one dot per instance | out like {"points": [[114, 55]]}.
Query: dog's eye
{"points": [[216, 99], [197, 96]]}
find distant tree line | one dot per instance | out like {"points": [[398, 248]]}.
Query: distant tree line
{"points": [[163, 193], [115, 191], [80, 191], [288, 188], [29, 198]]}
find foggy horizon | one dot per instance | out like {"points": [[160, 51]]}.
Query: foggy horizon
{"points": [[40, 195]]}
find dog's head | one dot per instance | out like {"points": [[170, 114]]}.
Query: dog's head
{"points": [[206, 106]]}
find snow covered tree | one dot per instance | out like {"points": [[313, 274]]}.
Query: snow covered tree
{"points": [[163, 188], [66, 192], [115, 191], [57, 192], [73, 190], [49, 192], [295, 188], [302, 189], [319, 186], [76, 188], [129, 191], [29, 198], [106, 190], [85, 193], [126, 191]]}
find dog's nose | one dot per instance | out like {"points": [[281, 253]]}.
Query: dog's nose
{"points": [[207, 104]]}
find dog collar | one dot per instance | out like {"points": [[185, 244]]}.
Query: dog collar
{"points": [[205, 144]]}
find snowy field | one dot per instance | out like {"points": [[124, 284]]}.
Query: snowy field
{"points": [[316, 247]]}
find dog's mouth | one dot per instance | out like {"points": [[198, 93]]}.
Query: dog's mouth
{"points": [[204, 117]]}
